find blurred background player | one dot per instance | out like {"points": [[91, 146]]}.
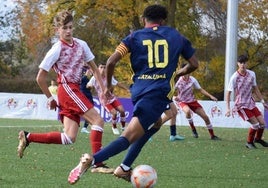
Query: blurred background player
{"points": [[86, 74], [113, 105], [185, 99], [53, 88], [243, 83]]}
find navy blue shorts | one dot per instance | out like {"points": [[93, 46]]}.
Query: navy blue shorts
{"points": [[149, 107]]}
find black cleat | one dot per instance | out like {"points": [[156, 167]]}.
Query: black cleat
{"points": [[215, 138], [262, 142], [195, 135]]}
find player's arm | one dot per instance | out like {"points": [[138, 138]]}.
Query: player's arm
{"points": [[120, 51], [122, 86], [259, 95], [189, 67], [204, 92], [228, 98], [41, 80]]}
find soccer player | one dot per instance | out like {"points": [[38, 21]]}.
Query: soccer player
{"points": [[66, 57], [53, 88], [185, 99], [154, 54], [113, 105], [86, 74], [243, 84]]}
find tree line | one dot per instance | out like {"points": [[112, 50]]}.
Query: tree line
{"points": [[103, 23]]}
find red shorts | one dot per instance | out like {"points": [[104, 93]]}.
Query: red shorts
{"points": [[246, 114], [114, 104], [192, 105], [72, 102]]}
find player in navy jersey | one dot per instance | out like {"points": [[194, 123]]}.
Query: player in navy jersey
{"points": [[86, 74], [154, 55]]}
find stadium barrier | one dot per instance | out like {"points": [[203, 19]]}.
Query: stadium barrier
{"points": [[34, 106]]}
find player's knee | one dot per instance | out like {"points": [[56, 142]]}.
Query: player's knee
{"points": [[67, 140], [158, 124]]}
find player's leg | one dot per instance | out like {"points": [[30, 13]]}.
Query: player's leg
{"points": [[142, 120], [68, 137], [188, 114], [110, 108], [132, 132], [121, 110], [260, 131], [95, 138], [124, 170], [200, 111], [84, 128], [171, 114], [248, 115]]}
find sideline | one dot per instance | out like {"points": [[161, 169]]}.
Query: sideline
{"points": [[43, 126]]}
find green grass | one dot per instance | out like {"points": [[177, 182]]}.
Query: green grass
{"points": [[190, 163]]}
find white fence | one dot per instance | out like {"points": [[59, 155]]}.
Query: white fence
{"points": [[34, 106]]}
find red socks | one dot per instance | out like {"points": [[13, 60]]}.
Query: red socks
{"points": [[45, 138]]}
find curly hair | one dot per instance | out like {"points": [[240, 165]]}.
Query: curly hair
{"points": [[155, 13]]}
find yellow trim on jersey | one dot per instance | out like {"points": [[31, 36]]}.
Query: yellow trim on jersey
{"points": [[122, 49], [172, 86]]}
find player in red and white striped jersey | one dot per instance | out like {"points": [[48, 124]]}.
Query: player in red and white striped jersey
{"points": [[67, 57], [185, 99], [243, 84], [111, 105]]}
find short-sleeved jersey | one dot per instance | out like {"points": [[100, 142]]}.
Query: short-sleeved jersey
{"points": [[67, 61], [93, 82], [154, 58], [185, 89], [242, 86]]}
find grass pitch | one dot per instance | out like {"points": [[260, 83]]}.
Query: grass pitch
{"points": [[191, 163]]}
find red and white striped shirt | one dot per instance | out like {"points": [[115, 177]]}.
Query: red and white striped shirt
{"points": [[93, 82], [242, 86], [185, 89], [67, 60]]}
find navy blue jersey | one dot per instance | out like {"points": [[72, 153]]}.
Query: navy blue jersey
{"points": [[84, 89], [154, 58]]}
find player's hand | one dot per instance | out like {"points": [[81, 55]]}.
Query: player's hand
{"points": [[103, 98], [52, 105], [265, 105], [213, 98], [228, 113]]}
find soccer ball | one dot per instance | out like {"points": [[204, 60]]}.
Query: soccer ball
{"points": [[143, 176]]}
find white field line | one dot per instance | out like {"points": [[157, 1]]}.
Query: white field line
{"points": [[37, 126]]}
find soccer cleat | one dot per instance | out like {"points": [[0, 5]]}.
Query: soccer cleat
{"points": [[80, 169], [115, 131], [262, 142], [250, 145], [84, 130], [195, 135], [23, 143], [215, 138], [176, 137], [121, 173], [102, 169]]}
